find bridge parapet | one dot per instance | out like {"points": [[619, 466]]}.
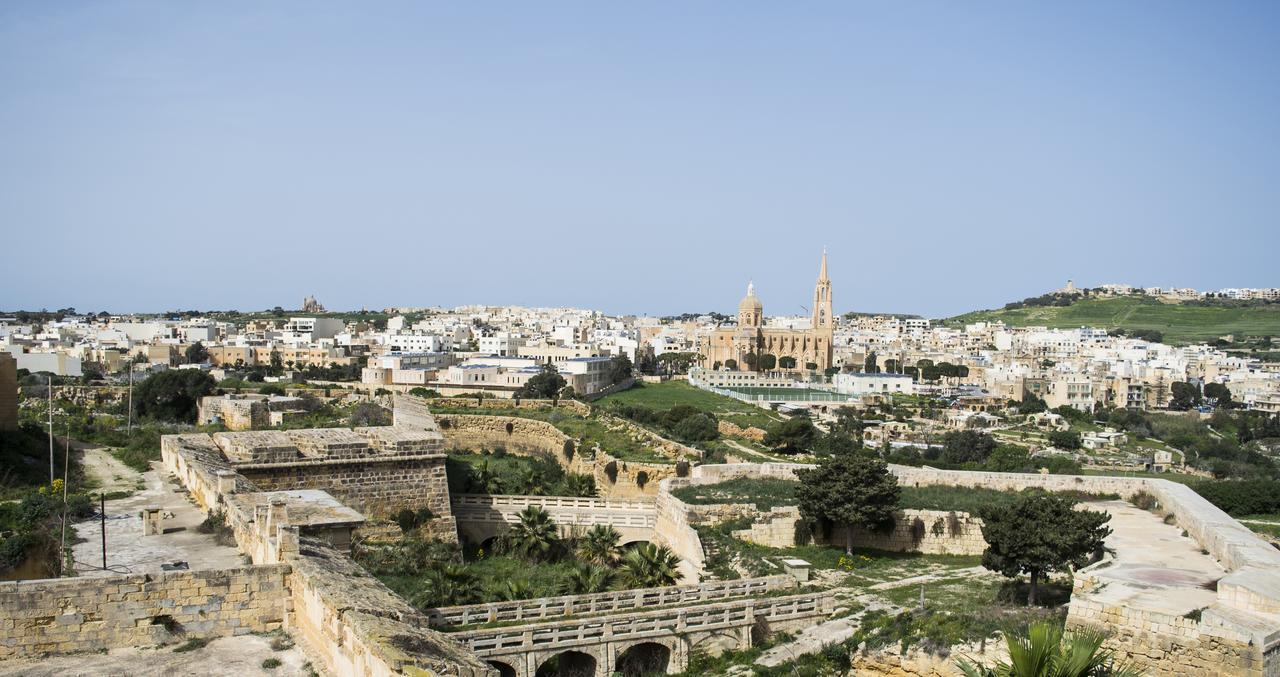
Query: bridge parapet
{"points": [[517, 503], [576, 634], [553, 608]]}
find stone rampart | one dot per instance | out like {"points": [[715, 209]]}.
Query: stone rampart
{"points": [[92, 614], [375, 487], [1239, 630]]}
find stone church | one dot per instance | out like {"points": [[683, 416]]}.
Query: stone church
{"points": [[750, 337]]}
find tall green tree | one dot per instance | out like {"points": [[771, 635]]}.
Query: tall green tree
{"points": [[768, 361], [853, 490], [620, 369], [869, 365], [1039, 535], [172, 395], [545, 385], [196, 353], [792, 435], [786, 362]]}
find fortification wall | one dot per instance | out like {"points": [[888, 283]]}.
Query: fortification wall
{"points": [[90, 614], [377, 488], [933, 532], [1238, 631], [614, 478], [352, 621], [673, 529]]}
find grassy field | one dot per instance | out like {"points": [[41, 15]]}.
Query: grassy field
{"points": [[1181, 324], [768, 493], [671, 393]]}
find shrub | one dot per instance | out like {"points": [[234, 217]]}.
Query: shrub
{"points": [[1144, 501], [271, 663]]}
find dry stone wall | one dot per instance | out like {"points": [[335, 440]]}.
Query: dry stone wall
{"points": [[91, 614]]}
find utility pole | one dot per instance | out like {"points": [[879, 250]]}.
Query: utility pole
{"points": [[51, 430], [66, 476], [103, 511], [130, 429]]}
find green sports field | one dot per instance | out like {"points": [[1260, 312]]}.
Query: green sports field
{"points": [[792, 394], [1181, 324]]}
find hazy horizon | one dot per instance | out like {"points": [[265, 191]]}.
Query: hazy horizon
{"points": [[636, 160]]}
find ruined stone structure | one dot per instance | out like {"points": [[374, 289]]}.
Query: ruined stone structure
{"points": [[614, 478], [74, 615], [248, 411], [1238, 633], [377, 470]]}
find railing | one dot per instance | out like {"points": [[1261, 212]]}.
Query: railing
{"points": [[603, 602], [568, 634], [517, 503]]}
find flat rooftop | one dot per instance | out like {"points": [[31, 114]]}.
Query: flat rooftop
{"points": [[307, 507]]}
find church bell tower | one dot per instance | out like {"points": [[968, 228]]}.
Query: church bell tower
{"points": [[822, 318]]}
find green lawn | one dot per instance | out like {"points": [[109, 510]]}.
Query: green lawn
{"points": [[767, 493], [1181, 324], [662, 396]]}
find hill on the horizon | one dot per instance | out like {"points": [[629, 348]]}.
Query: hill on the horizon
{"points": [[1181, 323]]}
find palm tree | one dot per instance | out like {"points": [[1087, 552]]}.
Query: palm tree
{"points": [[651, 566], [532, 482], [1044, 650], [534, 536], [512, 590], [600, 545], [484, 480], [579, 485], [446, 585], [587, 578]]}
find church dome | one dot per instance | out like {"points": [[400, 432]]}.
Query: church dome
{"points": [[750, 302], [750, 310]]}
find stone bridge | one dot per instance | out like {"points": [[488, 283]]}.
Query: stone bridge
{"points": [[483, 516], [658, 641]]}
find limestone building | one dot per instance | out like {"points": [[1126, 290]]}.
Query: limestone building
{"points": [[810, 346]]}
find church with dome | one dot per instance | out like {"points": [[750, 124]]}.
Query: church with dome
{"points": [[750, 337]]}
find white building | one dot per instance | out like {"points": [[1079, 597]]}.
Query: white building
{"points": [[866, 384]]}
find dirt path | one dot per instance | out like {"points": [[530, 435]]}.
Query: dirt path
{"points": [[748, 450], [106, 472]]}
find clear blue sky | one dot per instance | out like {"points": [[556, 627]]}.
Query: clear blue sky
{"points": [[648, 158]]}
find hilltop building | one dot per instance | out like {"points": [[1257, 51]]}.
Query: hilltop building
{"points": [[749, 336]]}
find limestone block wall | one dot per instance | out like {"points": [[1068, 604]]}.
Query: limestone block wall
{"points": [[444, 404], [673, 529], [360, 627], [531, 437], [933, 532], [1240, 629], [1164, 644], [72, 615], [375, 487]]}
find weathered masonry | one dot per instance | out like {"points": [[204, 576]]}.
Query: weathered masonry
{"points": [[90, 614]]}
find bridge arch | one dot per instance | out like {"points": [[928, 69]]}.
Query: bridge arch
{"points": [[504, 669], [647, 657], [568, 664]]}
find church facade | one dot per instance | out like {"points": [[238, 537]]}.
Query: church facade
{"points": [[750, 337]]}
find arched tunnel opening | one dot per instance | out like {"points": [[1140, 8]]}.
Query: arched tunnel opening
{"points": [[568, 664], [647, 658], [503, 669]]}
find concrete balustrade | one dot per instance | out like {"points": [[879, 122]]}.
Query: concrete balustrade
{"points": [[604, 602]]}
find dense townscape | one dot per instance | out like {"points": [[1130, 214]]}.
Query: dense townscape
{"points": [[880, 493]]}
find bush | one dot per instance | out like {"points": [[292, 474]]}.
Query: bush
{"points": [[1144, 501]]}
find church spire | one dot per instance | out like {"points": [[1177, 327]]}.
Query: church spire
{"points": [[822, 312], [822, 273]]}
